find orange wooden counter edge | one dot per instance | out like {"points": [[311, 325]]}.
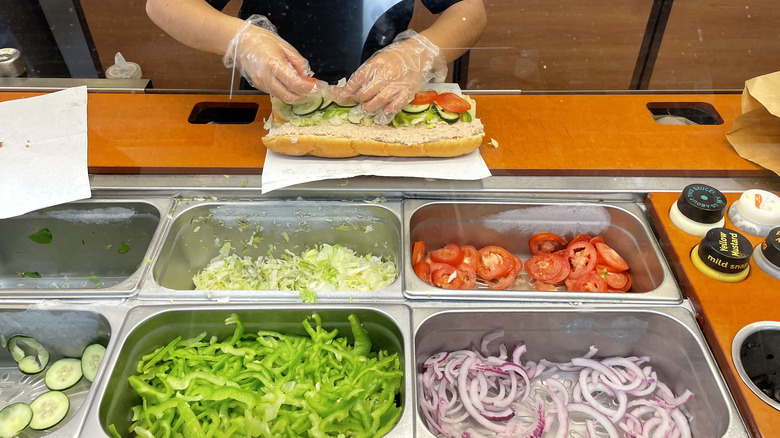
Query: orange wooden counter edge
{"points": [[714, 302], [537, 134]]}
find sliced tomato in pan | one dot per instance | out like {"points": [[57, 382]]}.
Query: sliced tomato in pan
{"points": [[548, 267], [505, 280], [582, 258], [611, 257], [423, 270], [590, 282], [450, 254], [494, 261], [418, 252], [546, 242], [468, 276], [470, 255], [445, 276]]}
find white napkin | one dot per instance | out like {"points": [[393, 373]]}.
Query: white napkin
{"points": [[43, 151], [281, 171]]}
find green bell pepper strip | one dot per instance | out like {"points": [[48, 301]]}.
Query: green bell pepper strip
{"points": [[362, 345]]}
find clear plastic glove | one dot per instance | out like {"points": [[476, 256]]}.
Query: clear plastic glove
{"points": [[269, 62], [390, 78]]}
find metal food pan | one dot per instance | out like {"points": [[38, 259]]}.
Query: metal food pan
{"points": [[98, 248], [64, 333], [511, 224], [755, 351], [148, 327], [669, 335], [270, 228]]}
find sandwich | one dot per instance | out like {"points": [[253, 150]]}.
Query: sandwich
{"points": [[432, 125]]}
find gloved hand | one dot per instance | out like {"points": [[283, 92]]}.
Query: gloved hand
{"points": [[389, 79], [269, 62]]}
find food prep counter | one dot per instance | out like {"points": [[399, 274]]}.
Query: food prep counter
{"points": [[170, 194]]}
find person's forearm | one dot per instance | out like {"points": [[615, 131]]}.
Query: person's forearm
{"points": [[458, 28], [194, 23]]}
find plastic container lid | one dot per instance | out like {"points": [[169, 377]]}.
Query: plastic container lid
{"points": [[725, 251], [123, 69], [758, 207], [702, 203]]}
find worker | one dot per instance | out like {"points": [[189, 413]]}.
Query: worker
{"points": [[384, 72]]}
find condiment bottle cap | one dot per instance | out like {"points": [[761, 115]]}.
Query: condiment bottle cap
{"points": [[770, 247], [725, 250], [702, 203]]}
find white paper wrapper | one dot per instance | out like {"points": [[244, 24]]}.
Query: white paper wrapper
{"points": [[281, 171], [43, 151]]}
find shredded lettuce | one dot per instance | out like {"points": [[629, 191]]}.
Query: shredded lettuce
{"points": [[323, 268]]}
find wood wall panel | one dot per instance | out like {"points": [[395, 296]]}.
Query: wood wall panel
{"points": [[545, 45], [718, 44], [123, 26]]}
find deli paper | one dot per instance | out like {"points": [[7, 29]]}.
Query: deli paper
{"points": [[43, 151], [281, 171]]}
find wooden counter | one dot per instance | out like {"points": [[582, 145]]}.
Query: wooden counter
{"points": [[722, 308], [537, 134]]}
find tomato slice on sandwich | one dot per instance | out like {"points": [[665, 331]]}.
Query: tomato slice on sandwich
{"points": [[452, 102], [424, 97]]}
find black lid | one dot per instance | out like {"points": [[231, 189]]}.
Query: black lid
{"points": [[725, 250], [702, 203], [771, 247]]}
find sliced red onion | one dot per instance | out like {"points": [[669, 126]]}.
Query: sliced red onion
{"points": [[667, 395], [471, 393], [590, 428], [466, 399], [682, 423], [599, 417], [487, 339], [518, 351], [560, 410], [437, 358], [587, 394]]}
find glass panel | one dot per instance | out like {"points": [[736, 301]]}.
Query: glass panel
{"points": [[529, 45]]}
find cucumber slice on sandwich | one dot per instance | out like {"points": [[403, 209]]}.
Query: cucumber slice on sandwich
{"points": [[415, 109], [31, 356], [63, 374], [49, 409], [14, 418], [308, 106], [447, 116]]}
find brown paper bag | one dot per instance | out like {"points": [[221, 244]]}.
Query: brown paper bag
{"points": [[756, 133]]}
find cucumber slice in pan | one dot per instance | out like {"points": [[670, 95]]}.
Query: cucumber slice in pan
{"points": [[90, 360], [14, 418], [49, 409], [31, 356], [63, 374]]}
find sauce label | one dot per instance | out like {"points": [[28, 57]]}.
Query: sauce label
{"points": [[725, 250]]}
